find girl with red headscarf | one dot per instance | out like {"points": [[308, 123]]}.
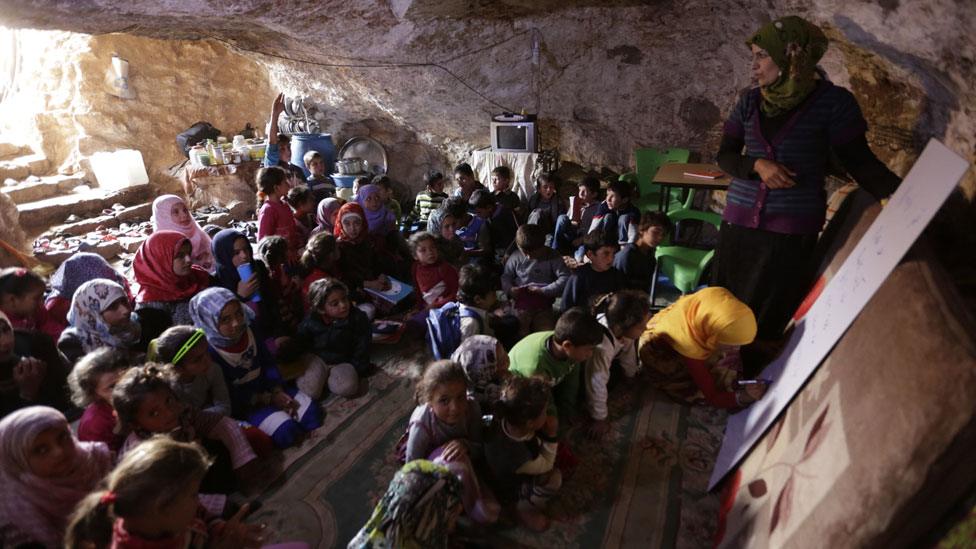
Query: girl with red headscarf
{"points": [[358, 255], [167, 279]]}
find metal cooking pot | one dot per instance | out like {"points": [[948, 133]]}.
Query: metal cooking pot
{"points": [[351, 166]]}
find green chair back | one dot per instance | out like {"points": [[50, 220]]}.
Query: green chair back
{"points": [[647, 162]]}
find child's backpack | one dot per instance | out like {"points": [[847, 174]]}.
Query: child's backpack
{"points": [[444, 328]]}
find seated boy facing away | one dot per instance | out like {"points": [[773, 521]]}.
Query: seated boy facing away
{"points": [[319, 182], [477, 295], [636, 261], [555, 356], [534, 276], [595, 278], [616, 215], [430, 198], [570, 229]]}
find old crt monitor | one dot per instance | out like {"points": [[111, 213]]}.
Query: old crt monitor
{"points": [[514, 133]]}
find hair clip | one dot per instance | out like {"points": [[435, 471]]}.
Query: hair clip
{"points": [[197, 335], [108, 498]]}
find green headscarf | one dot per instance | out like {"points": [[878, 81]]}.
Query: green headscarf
{"points": [[795, 45]]}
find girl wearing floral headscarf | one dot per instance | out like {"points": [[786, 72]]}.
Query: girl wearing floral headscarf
{"points": [[679, 341], [486, 363], [167, 277], [776, 146], [258, 393], [100, 316], [77, 269], [419, 510], [44, 472], [171, 214]]}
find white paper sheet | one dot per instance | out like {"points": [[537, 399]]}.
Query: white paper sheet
{"points": [[921, 194]]}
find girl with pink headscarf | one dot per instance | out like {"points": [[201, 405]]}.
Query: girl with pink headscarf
{"points": [[44, 472], [169, 213]]}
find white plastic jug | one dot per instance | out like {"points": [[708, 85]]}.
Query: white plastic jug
{"points": [[120, 169]]}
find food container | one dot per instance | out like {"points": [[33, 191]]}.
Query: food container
{"points": [[350, 166]]}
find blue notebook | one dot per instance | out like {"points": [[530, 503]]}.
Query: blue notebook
{"points": [[396, 293]]}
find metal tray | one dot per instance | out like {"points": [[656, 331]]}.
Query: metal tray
{"points": [[368, 149]]}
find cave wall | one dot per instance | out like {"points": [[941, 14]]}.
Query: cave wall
{"points": [[605, 76], [62, 106]]}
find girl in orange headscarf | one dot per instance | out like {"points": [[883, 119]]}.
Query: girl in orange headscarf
{"points": [[358, 254], [681, 342]]}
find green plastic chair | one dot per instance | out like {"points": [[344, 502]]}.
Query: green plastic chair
{"points": [[647, 162], [683, 265]]}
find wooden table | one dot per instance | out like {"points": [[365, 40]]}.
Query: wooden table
{"points": [[673, 175]]}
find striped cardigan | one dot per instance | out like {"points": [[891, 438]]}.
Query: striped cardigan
{"points": [[829, 117]]}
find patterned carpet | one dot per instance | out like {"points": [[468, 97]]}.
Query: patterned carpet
{"points": [[643, 486]]}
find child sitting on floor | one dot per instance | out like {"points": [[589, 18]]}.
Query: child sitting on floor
{"points": [[283, 292], [555, 356], [534, 277], [595, 278], [22, 299], [485, 362], [474, 231], [436, 280], [167, 280], [443, 222], [75, 271], [466, 183], [544, 205], [337, 332], [569, 231], [147, 403], [201, 382], [380, 220], [445, 427], [275, 218], [520, 449], [44, 473], [100, 316], [636, 260], [257, 392], [501, 187], [319, 260], [21, 377], [319, 182], [91, 382], [151, 500], [359, 263], [169, 213], [476, 293], [429, 199], [302, 203], [616, 215], [389, 201], [626, 314], [310, 373]]}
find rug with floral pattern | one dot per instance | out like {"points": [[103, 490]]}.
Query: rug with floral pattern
{"points": [[644, 485]]}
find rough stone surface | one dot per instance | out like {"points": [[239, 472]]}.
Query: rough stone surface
{"points": [[425, 75], [83, 203], [62, 104], [10, 229]]}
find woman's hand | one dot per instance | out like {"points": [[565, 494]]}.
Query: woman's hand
{"points": [[774, 174], [246, 288], [747, 394], [455, 450]]}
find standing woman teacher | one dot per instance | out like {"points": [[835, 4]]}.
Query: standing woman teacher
{"points": [[777, 144]]}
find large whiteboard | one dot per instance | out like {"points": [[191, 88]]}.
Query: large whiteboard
{"points": [[922, 192]]}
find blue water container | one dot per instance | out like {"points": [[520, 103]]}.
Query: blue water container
{"points": [[344, 181], [301, 143]]}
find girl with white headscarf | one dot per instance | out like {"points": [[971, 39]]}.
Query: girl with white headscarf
{"points": [[170, 213], [100, 316]]}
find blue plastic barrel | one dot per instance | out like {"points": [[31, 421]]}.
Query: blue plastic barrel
{"points": [[301, 143]]}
